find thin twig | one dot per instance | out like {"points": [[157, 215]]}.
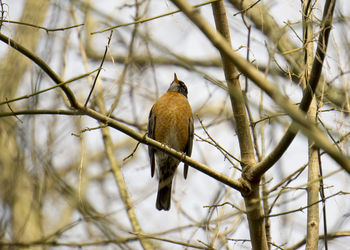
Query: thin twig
{"points": [[217, 145], [99, 70], [41, 27], [41, 112], [309, 205], [323, 198], [12, 112], [143, 20], [246, 9], [133, 152], [50, 88], [181, 243]]}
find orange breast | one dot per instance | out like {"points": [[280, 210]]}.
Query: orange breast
{"points": [[172, 112]]}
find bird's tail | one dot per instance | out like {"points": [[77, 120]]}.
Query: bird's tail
{"points": [[164, 193]]}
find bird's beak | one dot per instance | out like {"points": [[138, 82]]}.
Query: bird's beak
{"points": [[175, 78]]}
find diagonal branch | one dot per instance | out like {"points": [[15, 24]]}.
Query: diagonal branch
{"points": [[266, 23], [52, 74], [238, 185], [300, 121], [315, 75]]}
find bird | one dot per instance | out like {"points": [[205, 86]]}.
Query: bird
{"points": [[170, 122]]}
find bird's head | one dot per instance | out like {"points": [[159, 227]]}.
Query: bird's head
{"points": [[178, 86]]}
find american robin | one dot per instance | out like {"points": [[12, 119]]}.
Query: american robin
{"points": [[170, 122]]}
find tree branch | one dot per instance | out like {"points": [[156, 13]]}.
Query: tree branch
{"points": [[238, 185], [254, 211], [309, 91], [42, 65]]}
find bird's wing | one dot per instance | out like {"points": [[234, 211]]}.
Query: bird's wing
{"points": [[189, 145], [151, 128]]}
